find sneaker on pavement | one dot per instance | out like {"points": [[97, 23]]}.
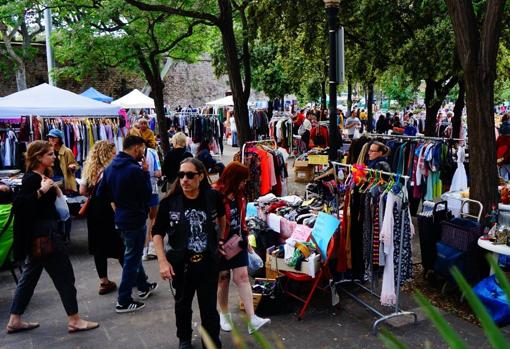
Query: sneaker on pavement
{"points": [[148, 292], [256, 323], [226, 322], [130, 307], [151, 252]]}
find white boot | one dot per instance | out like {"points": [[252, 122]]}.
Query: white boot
{"points": [[256, 323], [226, 322]]}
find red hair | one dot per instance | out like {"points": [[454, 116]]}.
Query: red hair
{"points": [[231, 178]]}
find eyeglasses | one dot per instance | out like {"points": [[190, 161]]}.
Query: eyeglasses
{"points": [[374, 151], [189, 175]]}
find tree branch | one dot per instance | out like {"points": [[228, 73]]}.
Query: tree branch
{"points": [[177, 40], [467, 36], [175, 11]]}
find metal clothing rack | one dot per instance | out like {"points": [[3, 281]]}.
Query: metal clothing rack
{"points": [[397, 311], [379, 135], [264, 141]]}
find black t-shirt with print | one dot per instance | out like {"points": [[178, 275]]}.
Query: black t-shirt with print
{"points": [[235, 218], [195, 219]]}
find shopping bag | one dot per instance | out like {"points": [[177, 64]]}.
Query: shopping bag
{"points": [[494, 298], [62, 208], [254, 262]]}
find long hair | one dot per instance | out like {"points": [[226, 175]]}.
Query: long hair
{"points": [[231, 178], [98, 158], [200, 168], [35, 152]]}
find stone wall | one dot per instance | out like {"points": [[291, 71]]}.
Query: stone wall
{"points": [[185, 83]]}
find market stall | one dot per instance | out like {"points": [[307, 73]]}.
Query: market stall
{"points": [[134, 100], [96, 95]]}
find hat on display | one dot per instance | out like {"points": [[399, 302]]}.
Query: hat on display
{"points": [[56, 133]]}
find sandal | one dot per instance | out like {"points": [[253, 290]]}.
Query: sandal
{"points": [[110, 286], [24, 326], [90, 326]]}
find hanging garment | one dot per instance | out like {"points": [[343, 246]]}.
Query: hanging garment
{"points": [[459, 181]]}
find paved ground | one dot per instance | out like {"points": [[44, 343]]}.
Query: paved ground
{"points": [[346, 326]]}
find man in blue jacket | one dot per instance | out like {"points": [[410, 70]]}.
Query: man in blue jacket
{"points": [[127, 185]]}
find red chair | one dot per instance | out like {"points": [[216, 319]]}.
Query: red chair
{"points": [[325, 240]]}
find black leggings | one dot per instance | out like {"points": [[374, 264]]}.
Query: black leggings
{"points": [[102, 265]]}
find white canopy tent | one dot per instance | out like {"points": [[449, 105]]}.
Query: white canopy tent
{"points": [[134, 100], [222, 102], [47, 100]]}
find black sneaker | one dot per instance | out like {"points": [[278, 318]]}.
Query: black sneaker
{"points": [[130, 307], [146, 294], [185, 344]]}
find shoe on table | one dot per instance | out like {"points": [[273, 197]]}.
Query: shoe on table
{"points": [[148, 292], [130, 307], [110, 286], [185, 344], [256, 323], [226, 322]]}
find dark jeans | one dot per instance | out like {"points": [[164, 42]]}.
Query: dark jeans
{"points": [[133, 273], [101, 263], [59, 268], [201, 277]]}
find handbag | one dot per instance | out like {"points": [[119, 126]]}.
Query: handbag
{"points": [[232, 246], [84, 208]]}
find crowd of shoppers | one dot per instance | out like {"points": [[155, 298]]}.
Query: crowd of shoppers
{"points": [[126, 221]]}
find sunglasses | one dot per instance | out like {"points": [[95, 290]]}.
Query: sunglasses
{"points": [[189, 175]]}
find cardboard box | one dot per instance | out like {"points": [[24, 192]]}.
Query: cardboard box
{"points": [[301, 163], [303, 174], [257, 297], [310, 266]]}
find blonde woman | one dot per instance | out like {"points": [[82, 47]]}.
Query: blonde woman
{"points": [[104, 239]]}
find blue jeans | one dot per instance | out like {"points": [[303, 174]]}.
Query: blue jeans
{"points": [[133, 273]]}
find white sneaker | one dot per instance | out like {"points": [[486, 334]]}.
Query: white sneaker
{"points": [[256, 323], [226, 322], [151, 251]]}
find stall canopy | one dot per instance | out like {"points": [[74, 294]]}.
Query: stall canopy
{"points": [[134, 99], [95, 94], [47, 100], [222, 102]]}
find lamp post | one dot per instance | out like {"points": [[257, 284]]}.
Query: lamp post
{"points": [[332, 8]]}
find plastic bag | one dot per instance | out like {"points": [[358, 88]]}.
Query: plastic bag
{"points": [[494, 298], [254, 262], [62, 208]]}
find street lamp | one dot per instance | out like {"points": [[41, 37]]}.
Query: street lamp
{"points": [[332, 9]]}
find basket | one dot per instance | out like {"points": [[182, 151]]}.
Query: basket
{"points": [[460, 233]]}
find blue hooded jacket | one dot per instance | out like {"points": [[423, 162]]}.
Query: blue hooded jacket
{"points": [[128, 186]]}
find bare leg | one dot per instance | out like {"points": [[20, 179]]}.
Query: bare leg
{"points": [[223, 286], [242, 282]]}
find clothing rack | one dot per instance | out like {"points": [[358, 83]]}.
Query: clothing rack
{"points": [[372, 135], [264, 141], [397, 311]]}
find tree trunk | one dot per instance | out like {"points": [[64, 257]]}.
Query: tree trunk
{"points": [[477, 51], [457, 110], [159, 104], [349, 99], [239, 96], [431, 107], [21, 77], [370, 102], [323, 98]]}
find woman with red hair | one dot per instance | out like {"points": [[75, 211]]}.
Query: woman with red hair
{"points": [[231, 184]]}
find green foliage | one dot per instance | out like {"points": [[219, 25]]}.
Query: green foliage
{"points": [[114, 34], [492, 332], [502, 84], [397, 86]]}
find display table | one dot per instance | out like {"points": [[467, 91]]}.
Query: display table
{"points": [[495, 249]]}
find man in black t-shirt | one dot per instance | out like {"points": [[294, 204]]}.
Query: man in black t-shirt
{"points": [[190, 215]]}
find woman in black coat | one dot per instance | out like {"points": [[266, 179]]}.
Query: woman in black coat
{"points": [[37, 237]]}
